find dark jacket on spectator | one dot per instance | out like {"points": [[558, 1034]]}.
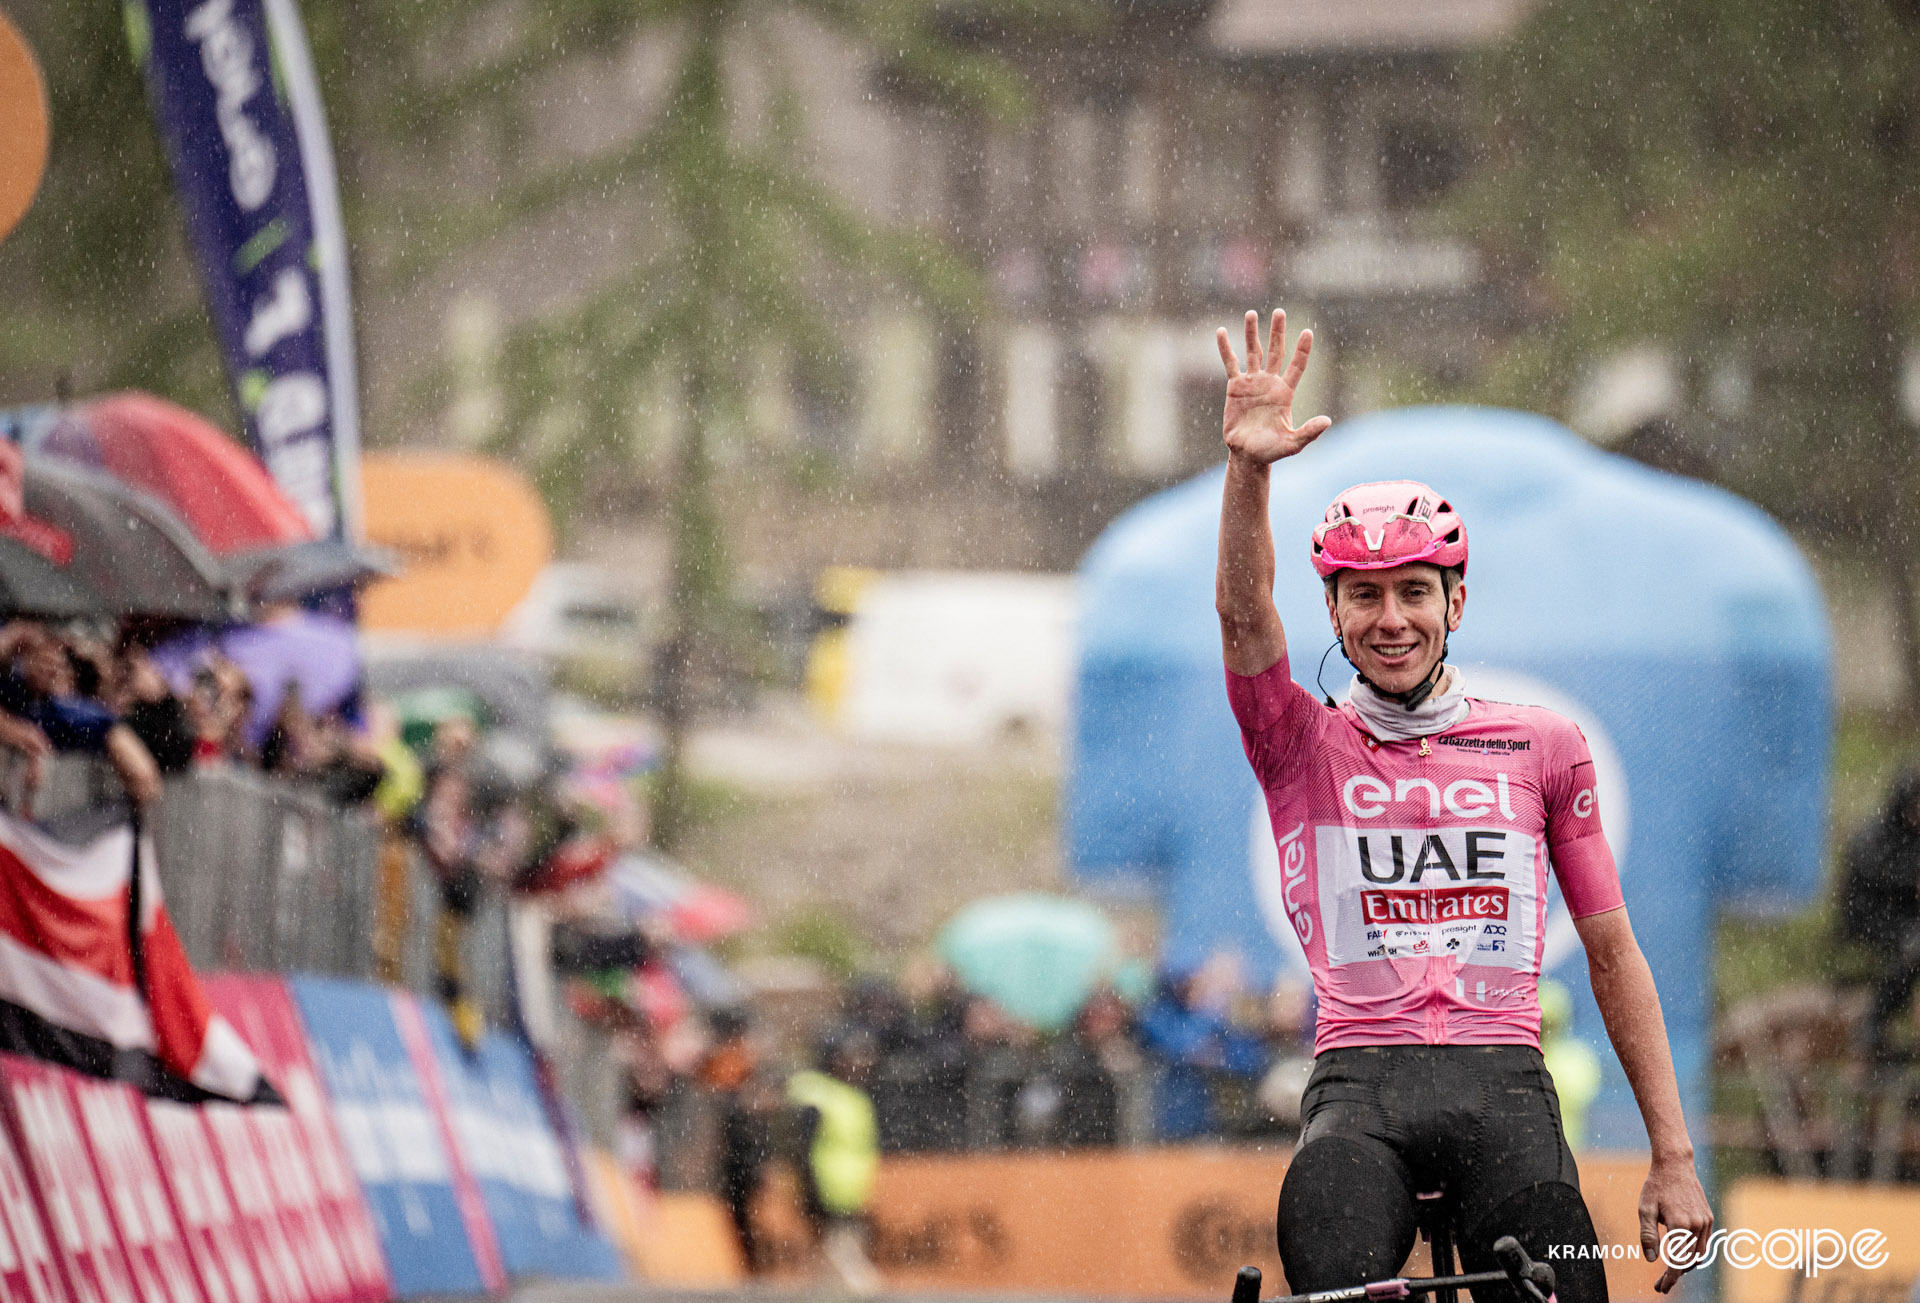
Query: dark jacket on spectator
{"points": [[1880, 884], [70, 723]]}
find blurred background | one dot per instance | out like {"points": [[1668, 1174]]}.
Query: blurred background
{"points": [[754, 634]]}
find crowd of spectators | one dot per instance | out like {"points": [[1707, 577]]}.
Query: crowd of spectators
{"points": [[77, 689], [1195, 1057], [950, 1071], [953, 1071], [148, 711]]}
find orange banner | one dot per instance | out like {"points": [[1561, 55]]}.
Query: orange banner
{"points": [[1158, 1223], [473, 535], [1874, 1234], [23, 125]]}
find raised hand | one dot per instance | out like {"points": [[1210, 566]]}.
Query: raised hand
{"points": [[1258, 423]]}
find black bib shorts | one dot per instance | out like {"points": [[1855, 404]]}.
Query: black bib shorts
{"points": [[1384, 1123]]}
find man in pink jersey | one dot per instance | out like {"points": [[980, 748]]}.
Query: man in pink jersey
{"points": [[1416, 827]]}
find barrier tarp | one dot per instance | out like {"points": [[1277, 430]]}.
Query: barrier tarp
{"points": [[75, 1208], [264, 1011], [510, 1145], [114, 1121], [392, 1136], [209, 1222], [29, 1274]]}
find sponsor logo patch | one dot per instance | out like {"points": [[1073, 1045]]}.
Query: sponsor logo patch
{"points": [[1441, 905]]}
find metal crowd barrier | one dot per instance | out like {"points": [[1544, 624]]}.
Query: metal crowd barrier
{"points": [[259, 874], [263, 874]]}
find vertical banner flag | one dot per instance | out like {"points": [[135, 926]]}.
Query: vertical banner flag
{"points": [[234, 96]]}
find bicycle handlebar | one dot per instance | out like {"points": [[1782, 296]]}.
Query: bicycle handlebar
{"points": [[1533, 1279]]}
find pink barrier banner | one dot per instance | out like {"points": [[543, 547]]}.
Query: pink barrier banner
{"points": [[238, 1154], [28, 1272], [76, 1208], [112, 1117], [209, 1222], [297, 1194], [306, 1161]]}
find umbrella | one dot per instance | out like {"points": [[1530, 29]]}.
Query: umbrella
{"points": [[219, 489], [705, 978], [292, 571], [424, 710], [32, 586], [317, 652], [1036, 956], [513, 690], [645, 887], [124, 545]]}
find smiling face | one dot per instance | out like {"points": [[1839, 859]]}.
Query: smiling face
{"points": [[1394, 623]]}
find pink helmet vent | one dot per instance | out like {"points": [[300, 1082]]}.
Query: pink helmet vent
{"points": [[1386, 524]]}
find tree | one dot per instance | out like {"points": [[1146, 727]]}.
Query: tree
{"points": [[1735, 179], [717, 276]]}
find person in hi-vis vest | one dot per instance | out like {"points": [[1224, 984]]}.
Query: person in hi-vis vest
{"points": [[840, 1152]]}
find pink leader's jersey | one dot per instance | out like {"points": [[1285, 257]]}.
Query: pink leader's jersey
{"points": [[1418, 883]]}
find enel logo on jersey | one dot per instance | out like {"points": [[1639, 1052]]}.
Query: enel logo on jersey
{"points": [[1367, 797]]}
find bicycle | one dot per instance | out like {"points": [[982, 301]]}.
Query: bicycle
{"points": [[1534, 1280]]}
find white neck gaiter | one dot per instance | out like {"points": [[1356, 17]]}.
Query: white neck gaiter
{"points": [[1389, 721]]}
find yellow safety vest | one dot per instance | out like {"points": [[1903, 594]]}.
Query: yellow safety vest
{"points": [[846, 1147]]}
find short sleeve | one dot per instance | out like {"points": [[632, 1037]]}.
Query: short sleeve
{"points": [[1279, 720], [1576, 844]]}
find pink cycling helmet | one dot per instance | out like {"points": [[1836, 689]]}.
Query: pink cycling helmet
{"points": [[1390, 523]]}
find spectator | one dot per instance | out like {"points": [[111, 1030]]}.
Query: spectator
{"points": [[218, 706], [42, 711], [748, 1104], [448, 839], [840, 1153], [148, 706], [1879, 905], [1290, 1034], [1186, 1029], [1099, 1065]]}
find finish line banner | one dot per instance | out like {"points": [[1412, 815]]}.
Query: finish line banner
{"points": [[234, 96]]}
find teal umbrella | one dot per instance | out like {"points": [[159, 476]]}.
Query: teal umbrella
{"points": [[1038, 957]]}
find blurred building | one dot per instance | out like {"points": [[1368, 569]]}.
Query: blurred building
{"points": [[1183, 160]]}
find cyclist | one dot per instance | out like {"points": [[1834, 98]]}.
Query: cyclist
{"points": [[1416, 827]]}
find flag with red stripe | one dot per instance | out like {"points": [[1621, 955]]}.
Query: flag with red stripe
{"points": [[82, 987]]}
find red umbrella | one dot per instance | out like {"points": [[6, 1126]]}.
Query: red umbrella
{"points": [[219, 488]]}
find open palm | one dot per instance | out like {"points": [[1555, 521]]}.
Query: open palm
{"points": [[1258, 423]]}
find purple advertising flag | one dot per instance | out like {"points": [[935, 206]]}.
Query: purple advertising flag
{"points": [[234, 95]]}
